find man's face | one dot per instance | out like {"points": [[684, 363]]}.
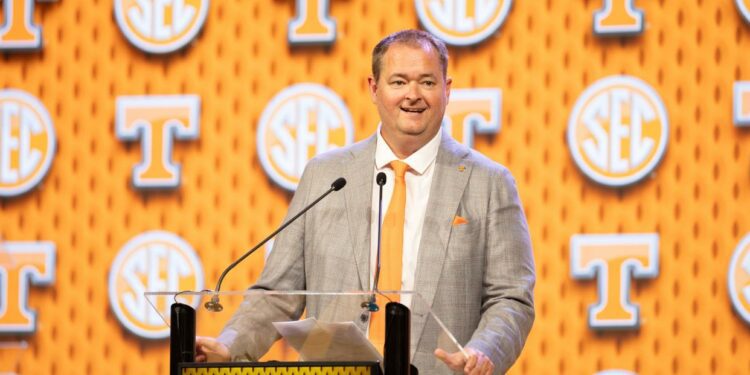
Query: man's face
{"points": [[411, 95]]}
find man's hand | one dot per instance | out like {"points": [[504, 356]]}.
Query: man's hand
{"points": [[207, 349], [477, 363]]}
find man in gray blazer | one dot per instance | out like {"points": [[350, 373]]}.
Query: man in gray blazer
{"points": [[467, 250]]}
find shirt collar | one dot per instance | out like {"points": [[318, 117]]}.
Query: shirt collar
{"points": [[419, 161]]}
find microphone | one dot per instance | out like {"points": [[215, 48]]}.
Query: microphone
{"points": [[371, 305], [213, 304]]}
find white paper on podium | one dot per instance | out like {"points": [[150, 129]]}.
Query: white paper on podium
{"points": [[321, 341]]}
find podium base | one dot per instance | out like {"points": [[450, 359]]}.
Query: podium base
{"points": [[281, 368]]}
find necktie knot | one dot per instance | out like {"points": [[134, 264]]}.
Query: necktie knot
{"points": [[400, 168]]}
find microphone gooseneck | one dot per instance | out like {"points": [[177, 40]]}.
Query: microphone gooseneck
{"points": [[213, 304], [371, 305]]}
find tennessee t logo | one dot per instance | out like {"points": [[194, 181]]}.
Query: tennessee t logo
{"points": [[741, 103], [311, 23], [18, 31], [473, 111], [618, 18], [21, 264], [612, 259], [157, 120]]}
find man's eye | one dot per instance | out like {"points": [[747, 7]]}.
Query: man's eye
{"points": [[398, 83], [428, 83]]}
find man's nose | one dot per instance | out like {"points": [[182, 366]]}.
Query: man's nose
{"points": [[412, 91]]}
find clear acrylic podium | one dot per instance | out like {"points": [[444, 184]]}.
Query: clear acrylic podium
{"points": [[329, 333]]}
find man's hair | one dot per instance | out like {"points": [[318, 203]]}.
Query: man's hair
{"points": [[415, 38]]}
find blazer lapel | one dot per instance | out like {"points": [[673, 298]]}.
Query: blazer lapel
{"points": [[448, 184], [359, 175]]}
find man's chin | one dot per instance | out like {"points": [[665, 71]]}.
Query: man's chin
{"points": [[412, 129]]}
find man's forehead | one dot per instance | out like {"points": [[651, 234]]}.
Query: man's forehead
{"points": [[406, 57], [413, 45], [411, 59]]}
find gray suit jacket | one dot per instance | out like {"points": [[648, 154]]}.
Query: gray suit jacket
{"points": [[478, 277]]}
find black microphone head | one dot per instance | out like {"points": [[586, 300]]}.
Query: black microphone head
{"points": [[338, 184], [380, 179]]}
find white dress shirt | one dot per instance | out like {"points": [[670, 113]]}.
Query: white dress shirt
{"points": [[418, 182]]}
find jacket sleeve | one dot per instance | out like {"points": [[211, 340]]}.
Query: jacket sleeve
{"points": [[249, 333], [507, 311]]}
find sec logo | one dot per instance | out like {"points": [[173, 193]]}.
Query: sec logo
{"points": [[27, 142], [618, 130], [160, 26], [151, 262], [739, 279], [300, 122], [462, 22]]}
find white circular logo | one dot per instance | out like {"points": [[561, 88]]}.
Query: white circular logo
{"points": [[154, 261], [460, 22], [618, 131], [739, 279], [744, 8], [160, 26], [615, 372], [27, 142], [300, 122]]}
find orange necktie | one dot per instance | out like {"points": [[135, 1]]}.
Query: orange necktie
{"points": [[391, 251]]}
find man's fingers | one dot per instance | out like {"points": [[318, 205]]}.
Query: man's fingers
{"points": [[477, 367], [486, 368], [471, 363], [443, 356], [210, 350], [206, 343], [456, 361], [440, 353], [477, 363], [490, 369]]}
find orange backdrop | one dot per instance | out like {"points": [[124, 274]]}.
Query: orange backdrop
{"points": [[542, 59]]}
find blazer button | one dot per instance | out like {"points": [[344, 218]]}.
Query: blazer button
{"points": [[363, 317]]}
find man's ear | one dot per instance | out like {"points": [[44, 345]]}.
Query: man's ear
{"points": [[448, 81], [372, 84]]}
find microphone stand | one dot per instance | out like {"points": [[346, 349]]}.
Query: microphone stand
{"points": [[396, 359], [371, 305], [182, 333], [213, 304]]}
